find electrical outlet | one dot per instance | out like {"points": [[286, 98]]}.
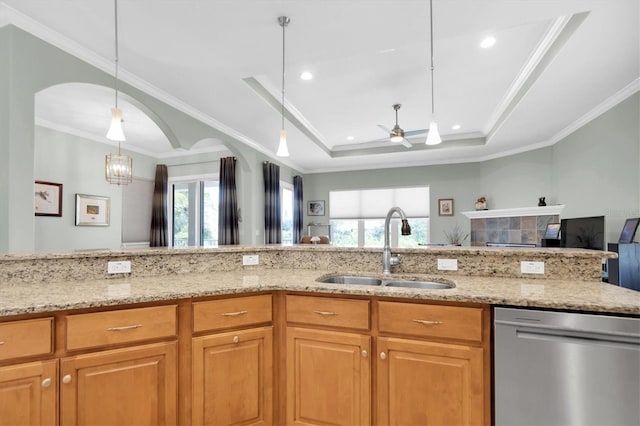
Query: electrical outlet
{"points": [[250, 259], [122, 267], [532, 267], [447, 264]]}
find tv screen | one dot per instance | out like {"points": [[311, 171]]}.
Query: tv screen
{"points": [[583, 232], [629, 231]]}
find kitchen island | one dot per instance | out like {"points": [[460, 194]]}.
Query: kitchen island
{"points": [[198, 324]]}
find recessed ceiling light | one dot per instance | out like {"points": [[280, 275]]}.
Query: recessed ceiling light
{"points": [[306, 75], [350, 138], [488, 42], [456, 127]]}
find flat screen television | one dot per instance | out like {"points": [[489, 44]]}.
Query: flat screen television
{"points": [[629, 230], [583, 232]]}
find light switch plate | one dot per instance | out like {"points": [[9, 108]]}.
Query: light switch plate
{"points": [[121, 267], [531, 267], [250, 259], [447, 264]]}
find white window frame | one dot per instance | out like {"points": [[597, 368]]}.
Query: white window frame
{"points": [[188, 179]]}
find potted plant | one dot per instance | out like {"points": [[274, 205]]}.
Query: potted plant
{"points": [[481, 203], [456, 236]]}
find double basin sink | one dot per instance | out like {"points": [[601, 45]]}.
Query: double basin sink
{"points": [[392, 282]]}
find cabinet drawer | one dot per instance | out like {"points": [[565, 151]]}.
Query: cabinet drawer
{"points": [[328, 311], [228, 313], [451, 322], [25, 338], [113, 327]]}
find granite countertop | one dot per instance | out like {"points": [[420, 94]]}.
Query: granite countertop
{"points": [[25, 298]]}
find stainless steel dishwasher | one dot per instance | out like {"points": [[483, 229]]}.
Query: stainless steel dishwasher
{"points": [[556, 368]]}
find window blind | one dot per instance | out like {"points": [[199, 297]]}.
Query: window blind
{"points": [[375, 203]]}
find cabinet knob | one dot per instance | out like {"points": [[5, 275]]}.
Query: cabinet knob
{"points": [[46, 382], [66, 379], [383, 355], [236, 339], [364, 354]]}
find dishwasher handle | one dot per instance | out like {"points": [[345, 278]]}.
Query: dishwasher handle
{"points": [[586, 339]]}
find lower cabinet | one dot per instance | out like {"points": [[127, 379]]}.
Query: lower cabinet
{"points": [[28, 394], [427, 383], [328, 377], [232, 378], [130, 386]]}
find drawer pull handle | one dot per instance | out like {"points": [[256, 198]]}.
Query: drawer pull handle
{"points": [[324, 313], [236, 339], [124, 328], [234, 314], [66, 379], [425, 322], [46, 382]]}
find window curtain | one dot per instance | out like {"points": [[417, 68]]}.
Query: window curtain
{"points": [[272, 212], [298, 212], [228, 232], [159, 227]]}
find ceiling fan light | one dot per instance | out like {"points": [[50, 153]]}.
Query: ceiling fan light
{"points": [[283, 151], [115, 132], [433, 138], [395, 137]]}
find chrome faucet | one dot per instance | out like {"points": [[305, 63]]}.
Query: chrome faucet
{"points": [[387, 260]]}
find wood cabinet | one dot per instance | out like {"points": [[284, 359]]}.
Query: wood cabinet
{"points": [[129, 386], [232, 378], [437, 373], [232, 371], [28, 394], [328, 372]]}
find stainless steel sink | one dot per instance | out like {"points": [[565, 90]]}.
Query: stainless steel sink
{"points": [[418, 284], [360, 280], [349, 279]]}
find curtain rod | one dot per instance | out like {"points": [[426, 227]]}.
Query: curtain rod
{"points": [[197, 162]]}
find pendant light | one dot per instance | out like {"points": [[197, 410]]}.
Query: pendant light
{"points": [[433, 137], [118, 168], [283, 151]]}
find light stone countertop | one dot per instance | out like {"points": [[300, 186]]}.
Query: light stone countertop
{"points": [[25, 298]]}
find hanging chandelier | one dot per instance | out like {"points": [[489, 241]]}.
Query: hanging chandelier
{"points": [[118, 168]]}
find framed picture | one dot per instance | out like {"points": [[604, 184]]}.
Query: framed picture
{"points": [[92, 210], [445, 207], [315, 208], [48, 199]]}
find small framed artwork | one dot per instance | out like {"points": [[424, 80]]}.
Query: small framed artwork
{"points": [[48, 199], [315, 208], [445, 207], [92, 210]]}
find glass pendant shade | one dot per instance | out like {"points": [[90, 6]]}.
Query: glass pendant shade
{"points": [[118, 169], [115, 132], [283, 151], [397, 134], [433, 138]]}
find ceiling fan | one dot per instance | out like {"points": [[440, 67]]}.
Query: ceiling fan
{"points": [[397, 135]]}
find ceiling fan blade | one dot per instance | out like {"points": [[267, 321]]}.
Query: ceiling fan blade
{"points": [[406, 143], [385, 128], [415, 132]]}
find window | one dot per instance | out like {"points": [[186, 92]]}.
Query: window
{"points": [[194, 212], [286, 209], [357, 217]]}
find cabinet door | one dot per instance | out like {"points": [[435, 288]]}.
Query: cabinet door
{"points": [[328, 377], [28, 394], [130, 386], [233, 378], [425, 383]]}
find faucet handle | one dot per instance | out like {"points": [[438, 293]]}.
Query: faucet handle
{"points": [[395, 260]]}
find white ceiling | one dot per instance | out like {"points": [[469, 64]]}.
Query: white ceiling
{"points": [[555, 65]]}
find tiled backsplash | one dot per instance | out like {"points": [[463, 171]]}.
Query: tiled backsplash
{"points": [[514, 230]]}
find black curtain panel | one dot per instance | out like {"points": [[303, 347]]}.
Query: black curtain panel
{"points": [[159, 222], [272, 215], [228, 232], [298, 212]]}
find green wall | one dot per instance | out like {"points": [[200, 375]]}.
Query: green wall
{"points": [[594, 171]]}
